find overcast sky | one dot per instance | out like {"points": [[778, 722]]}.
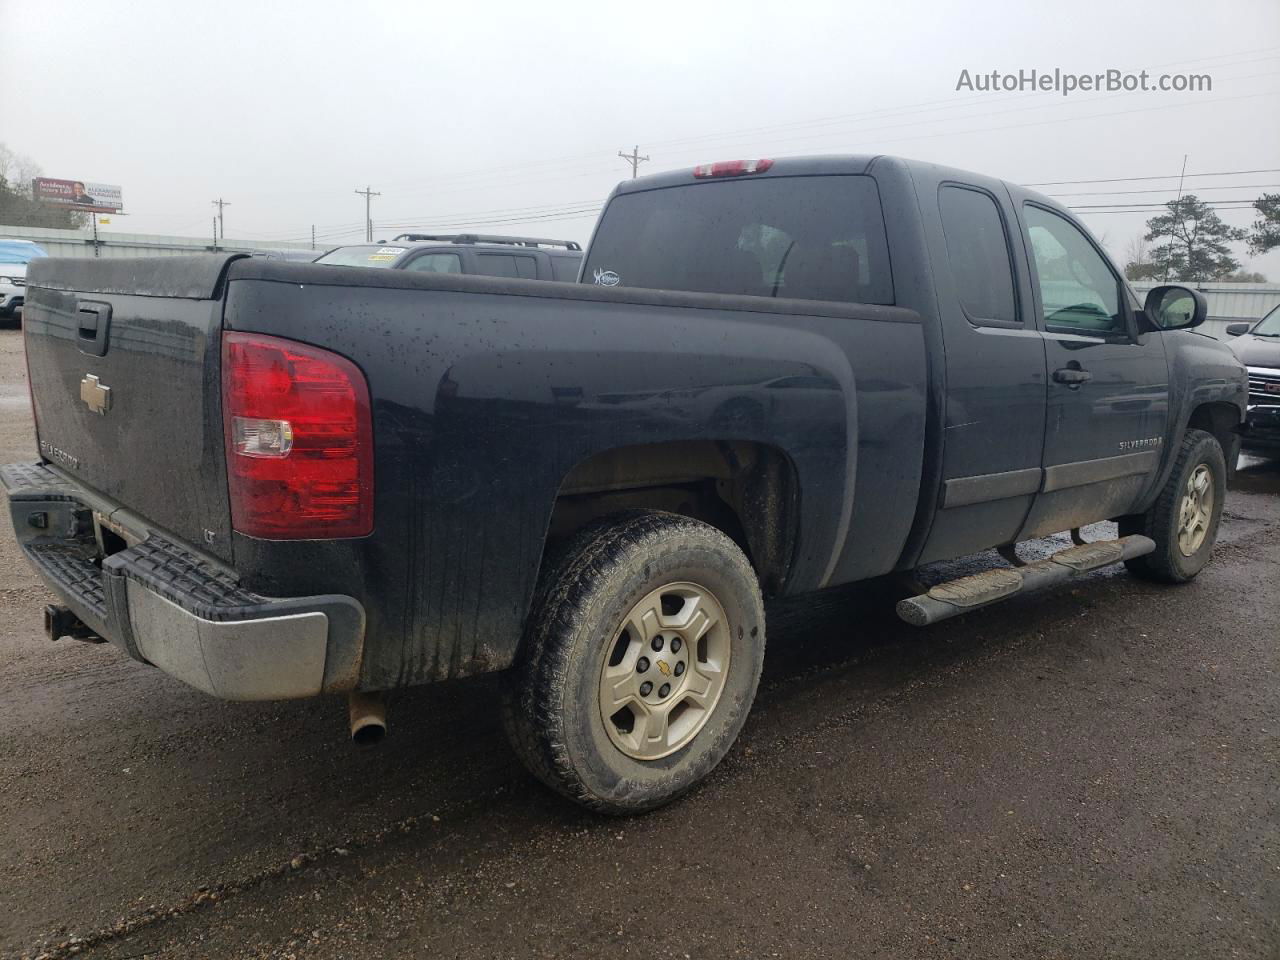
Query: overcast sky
{"points": [[508, 116]]}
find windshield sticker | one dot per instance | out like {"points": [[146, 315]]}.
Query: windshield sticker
{"points": [[607, 278], [386, 254]]}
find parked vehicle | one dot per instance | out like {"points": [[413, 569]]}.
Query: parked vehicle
{"points": [[528, 258], [776, 377], [1258, 347], [14, 257]]}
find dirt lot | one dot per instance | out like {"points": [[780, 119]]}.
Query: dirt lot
{"points": [[1091, 772]]}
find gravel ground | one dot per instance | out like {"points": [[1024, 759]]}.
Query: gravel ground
{"points": [[1090, 772]]}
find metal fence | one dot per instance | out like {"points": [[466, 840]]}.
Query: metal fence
{"points": [[81, 243]]}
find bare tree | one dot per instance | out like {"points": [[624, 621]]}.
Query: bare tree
{"points": [[17, 207], [1137, 260]]}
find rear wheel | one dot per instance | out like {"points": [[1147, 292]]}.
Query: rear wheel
{"points": [[1184, 520], [640, 662]]}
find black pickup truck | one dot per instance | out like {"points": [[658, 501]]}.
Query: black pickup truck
{"points": [[278, 480]]}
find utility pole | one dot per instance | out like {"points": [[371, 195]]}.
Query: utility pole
{"points": [[313, 236], [368, 193], [633, 158], [215, 234], [220, 203], [1181, 178]]}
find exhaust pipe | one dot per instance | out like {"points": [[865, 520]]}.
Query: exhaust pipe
{"points": [[368, 715]]}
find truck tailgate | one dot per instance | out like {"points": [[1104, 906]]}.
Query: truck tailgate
{"points": [[124, 360]]}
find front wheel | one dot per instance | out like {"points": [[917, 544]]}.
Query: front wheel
{"points": [[640, 663], [1184, 520]]}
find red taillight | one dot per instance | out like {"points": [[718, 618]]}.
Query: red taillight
{"points": [[299, 440], [731, 168]]}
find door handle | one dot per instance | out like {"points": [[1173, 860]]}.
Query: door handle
{"points": [[1072, 376], [93, 321], [88, 317]]}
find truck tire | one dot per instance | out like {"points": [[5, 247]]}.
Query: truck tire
{"points": [[1184, 519], [639, 664]]}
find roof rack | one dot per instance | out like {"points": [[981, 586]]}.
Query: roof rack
{"points": [[490, 238]]}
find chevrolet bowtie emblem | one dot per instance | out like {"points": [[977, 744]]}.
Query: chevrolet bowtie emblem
{"points": [[96, 397], [666, 670]]}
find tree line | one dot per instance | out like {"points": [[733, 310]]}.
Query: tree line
{"points": [[18, 209]]}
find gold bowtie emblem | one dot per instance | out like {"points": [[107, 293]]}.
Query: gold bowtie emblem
{"points": [[96, 395], [666, 670]]}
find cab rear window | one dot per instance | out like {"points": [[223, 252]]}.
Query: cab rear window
{"points": [[812, 238]]}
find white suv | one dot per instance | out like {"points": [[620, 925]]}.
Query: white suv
{"points": [[14, 257]]}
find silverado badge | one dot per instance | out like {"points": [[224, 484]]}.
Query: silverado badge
{"points": [[96, 397]]}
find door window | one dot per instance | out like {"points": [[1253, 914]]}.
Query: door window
{"points": [[1078, 291], [436, 263], [507, 265], [978, 251]]}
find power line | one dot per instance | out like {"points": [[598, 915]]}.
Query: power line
{"points": [[950, 103], [524, 166], [947, 103], [579, 208], [1168, 176], [1120, 193], [537, 211], [1153, 206], [1147, 210], [1144, 211]]}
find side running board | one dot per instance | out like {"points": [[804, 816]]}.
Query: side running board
{"points": [[968, 593]]}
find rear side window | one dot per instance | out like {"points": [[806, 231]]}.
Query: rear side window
{"points": [[978, 250], [565, 268], [506, 265], [813, 238], [435, 263]]}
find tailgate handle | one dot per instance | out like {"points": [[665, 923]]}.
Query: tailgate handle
{"points": [[93, 321]]}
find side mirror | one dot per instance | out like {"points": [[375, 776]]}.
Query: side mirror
{"points": [[1176, 308], [1237, 329]]}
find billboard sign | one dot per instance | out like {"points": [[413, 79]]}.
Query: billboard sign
{"points": [[79, 194]]}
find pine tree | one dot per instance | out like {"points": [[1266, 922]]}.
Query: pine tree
{"points": [[1265, 233], [1191, 241]]}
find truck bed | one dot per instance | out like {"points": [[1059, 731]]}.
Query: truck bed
{"points": [[488, 397]]}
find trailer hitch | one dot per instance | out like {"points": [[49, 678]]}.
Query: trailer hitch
{"points": [[60, 622]]}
